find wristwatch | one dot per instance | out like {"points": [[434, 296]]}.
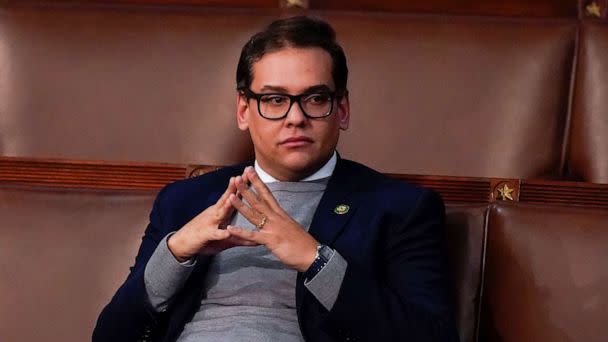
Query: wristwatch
{"points": [[324, 253]]}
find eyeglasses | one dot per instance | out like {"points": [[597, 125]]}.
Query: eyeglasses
{"points": [[275, 106]]}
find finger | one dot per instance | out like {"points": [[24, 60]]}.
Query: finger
{"points": [[249, 196], [260, 188], [247, 212], [223, 213], [237, 241], [247, 235], [223, 207], [231, 189], [217, 234]]}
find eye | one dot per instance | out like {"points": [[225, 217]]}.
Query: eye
{"points": [[317, 99], [274, 100]]}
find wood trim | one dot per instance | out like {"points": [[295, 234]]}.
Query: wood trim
{"points": [[249, 4], [564, 193], [203, 3], [452, 189], [88, 174], [527, 8], [537, 8], [82, 174]]}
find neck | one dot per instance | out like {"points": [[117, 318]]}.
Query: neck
{"points": [[286, 175], [319, 170]]}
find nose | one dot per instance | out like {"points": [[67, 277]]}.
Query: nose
{"points": [[295, 116]]}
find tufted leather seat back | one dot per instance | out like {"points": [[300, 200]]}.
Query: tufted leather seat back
{"points": [[481, 96]]}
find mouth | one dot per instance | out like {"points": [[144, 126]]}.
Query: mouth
{"points": [[294, 142]]}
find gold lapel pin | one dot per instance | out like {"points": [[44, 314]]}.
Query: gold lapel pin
{"points": [[341, 209]]}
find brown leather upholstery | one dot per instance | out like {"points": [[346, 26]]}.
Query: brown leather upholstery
{"points": [[62, 256], [122, 84], [484, 97], [546, 275], [588, 153], [465, 227], [457, 96]]}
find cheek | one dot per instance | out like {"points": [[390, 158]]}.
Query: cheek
{"points": [[262, 134], [329, 131]]}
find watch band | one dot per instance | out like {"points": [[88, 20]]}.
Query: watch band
{"points": [[324, 253]]}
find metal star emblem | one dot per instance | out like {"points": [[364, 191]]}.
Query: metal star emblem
{"points": [[505, 192], [593, 10], [295, 3]]}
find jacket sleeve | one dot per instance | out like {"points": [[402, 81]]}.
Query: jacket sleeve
{"points": [[129, 316], [407, 298]]}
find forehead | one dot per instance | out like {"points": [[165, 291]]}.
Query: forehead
{"points": [[293, 69]]}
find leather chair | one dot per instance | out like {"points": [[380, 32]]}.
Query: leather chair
{"points": [[122, 83], [484, 96], [546, 274], [63, 253], [466, 229], [588, 147], [457, 96]]}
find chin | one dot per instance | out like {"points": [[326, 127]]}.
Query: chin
{"points": [[302, 164]]}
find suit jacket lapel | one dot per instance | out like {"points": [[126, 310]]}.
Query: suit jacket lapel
{"points": [[329, 222], [336, 206]]}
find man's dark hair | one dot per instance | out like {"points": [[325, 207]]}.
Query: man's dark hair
{"points": [[297, 32]]}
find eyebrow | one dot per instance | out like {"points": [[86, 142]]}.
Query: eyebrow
{"points": [[319, 88]]}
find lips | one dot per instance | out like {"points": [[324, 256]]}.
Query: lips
{"points": [[298, 141]]}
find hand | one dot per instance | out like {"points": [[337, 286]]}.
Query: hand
{"points": [[281, 234], [202, 235]]}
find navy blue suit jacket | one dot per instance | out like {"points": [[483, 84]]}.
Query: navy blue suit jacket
{"points": [[395, 287]]}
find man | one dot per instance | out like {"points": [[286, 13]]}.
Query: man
{"points": [[304, 245]]}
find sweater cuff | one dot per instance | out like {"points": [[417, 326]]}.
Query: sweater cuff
{"points": [[164, 276], [325, 286]]}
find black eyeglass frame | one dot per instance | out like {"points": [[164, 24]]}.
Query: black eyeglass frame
{"points": [[292, 98]]}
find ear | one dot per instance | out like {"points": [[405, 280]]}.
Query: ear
{"points": [[343, 113], [242, 111]]}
